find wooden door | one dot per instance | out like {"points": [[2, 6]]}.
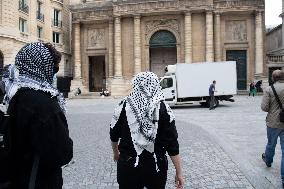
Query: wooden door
{"points": [[240, 57]]}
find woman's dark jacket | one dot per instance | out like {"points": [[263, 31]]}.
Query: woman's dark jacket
{"points": [[166, 139], [37, 127]]}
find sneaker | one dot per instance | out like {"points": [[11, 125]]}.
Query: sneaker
{"points": [[263, 158]]}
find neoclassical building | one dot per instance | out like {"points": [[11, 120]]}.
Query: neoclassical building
{"points": [[275, 47], [26, 21], [116, 39]]}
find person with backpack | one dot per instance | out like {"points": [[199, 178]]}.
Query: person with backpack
{"points": [[275, 128], [36, 132]]}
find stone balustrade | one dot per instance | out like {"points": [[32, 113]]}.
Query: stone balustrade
{"points": [[275, 58]]}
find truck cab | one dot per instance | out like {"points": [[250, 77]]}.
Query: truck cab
{"points": [[168, 84]]}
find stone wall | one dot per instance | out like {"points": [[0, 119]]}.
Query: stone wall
{"points": [[12, 39], [9, 47], [274, 39], [243, 39]]}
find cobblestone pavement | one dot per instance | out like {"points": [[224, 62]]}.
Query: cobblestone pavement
{"points": [[239, 128], [211, 146]]}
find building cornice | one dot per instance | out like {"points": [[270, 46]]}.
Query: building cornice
{"points": [[127, 8], [274, 29]]}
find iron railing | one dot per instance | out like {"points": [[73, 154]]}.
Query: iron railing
{"points": [[23, 6], [56, 23], [39, 16]]}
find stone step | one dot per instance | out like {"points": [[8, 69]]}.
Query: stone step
{"points": [[246, 92]]}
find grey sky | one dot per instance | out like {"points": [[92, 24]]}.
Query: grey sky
{"points": [[273, 8]]}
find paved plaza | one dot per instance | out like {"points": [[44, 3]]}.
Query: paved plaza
{"points": [[220, 148]]}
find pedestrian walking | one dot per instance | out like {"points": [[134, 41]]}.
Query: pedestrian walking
{"points": [[211, 94], [252, 89], [36, 135], [258, 86], [144, 125], [275, 128]]}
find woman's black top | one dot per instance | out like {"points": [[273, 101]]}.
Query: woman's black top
{"points": [[166, 139], [37, 127]]}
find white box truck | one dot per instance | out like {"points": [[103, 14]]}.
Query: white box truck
{"points": [[188, 83]]}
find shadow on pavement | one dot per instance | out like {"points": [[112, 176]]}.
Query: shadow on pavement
{"points": [[195, 106]]}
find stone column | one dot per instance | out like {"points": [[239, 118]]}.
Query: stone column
{"points": [[209, 37], [282, 16], [188, 38], [77, 81], [77, 51], [117, 48], [258, 43], [137, 45], [110, 49], [217, 33]]}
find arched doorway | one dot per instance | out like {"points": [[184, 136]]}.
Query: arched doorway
{"points": [[163, 51], [1, 63]]}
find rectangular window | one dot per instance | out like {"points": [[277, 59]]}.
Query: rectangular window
{"points": [[39, 12], [56, 37], [39, 32], [56, 18], [22, 25], [39, 6], [23, 6], [166, 83]]}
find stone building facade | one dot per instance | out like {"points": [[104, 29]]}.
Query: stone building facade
{"points": [[274, 38], [275, 47], [116, 39], [25, 21]]}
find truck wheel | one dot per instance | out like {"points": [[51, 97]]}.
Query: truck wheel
{"points": [[207, 103], [204, 104]]}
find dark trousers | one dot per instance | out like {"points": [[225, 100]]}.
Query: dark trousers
{"points": [[144, 175], [212, 101]]}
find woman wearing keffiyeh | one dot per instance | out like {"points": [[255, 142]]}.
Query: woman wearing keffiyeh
{"points": [[144, 125], [36, 135]]}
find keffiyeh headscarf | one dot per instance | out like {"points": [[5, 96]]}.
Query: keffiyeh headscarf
{"points": [[142, 111], [33, 69]]}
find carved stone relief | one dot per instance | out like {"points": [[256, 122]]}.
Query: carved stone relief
{"points": [[96, 38], [237, 3], [92, 15], [155, 24], [144, 7], [236, 30]]}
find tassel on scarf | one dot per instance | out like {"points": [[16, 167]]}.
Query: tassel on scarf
{"points": [[137, 161], [156, 162]]}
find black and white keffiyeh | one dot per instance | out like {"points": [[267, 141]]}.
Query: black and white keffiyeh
{"points": [[142, 111], [33, 69]]}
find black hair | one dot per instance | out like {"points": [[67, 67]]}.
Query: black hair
{"points": [[56, 55]]}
